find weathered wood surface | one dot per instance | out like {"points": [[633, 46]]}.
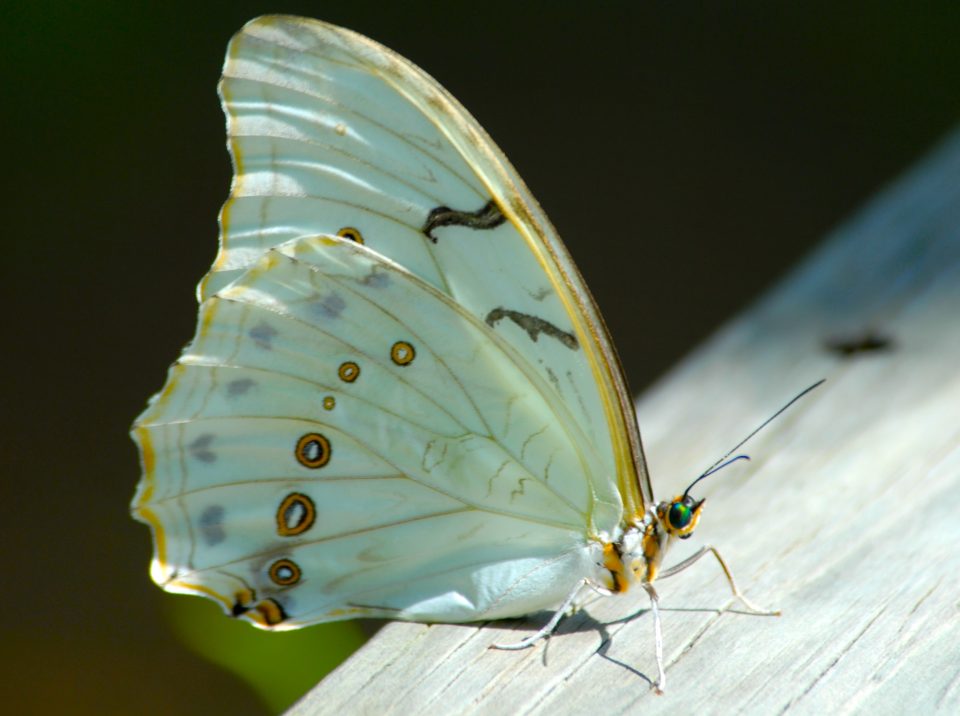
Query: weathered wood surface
{"points": [[847, 518]]}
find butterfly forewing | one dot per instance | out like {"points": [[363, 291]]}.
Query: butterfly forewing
{"points": [[331, 132]]}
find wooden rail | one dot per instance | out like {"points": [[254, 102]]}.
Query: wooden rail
{"points": [[847, 518]]}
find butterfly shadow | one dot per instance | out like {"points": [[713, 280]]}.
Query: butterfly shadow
{"points": [[579, 621], [582, 620]]}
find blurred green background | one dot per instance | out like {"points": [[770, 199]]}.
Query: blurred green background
{"points": [[688, 156]]}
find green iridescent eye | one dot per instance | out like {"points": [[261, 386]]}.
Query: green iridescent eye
{"points": [[679, 515]]}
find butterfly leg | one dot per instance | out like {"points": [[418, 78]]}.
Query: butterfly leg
{"points": [[661, 681], [751, 607], [549, 627]]}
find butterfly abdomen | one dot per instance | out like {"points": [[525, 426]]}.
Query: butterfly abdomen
{"points": [[619, 579]]}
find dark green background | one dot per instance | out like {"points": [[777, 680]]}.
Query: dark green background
{"points": [[688, 156]]}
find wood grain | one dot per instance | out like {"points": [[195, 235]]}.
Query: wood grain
{"points": [[847, 517]]}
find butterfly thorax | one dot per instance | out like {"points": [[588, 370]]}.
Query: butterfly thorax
{"points": [[637, 555]]}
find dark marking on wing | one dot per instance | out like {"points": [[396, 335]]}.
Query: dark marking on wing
{"points": [[200, 448], [489, 217], [262, 334], [526, 443], [211, 525], [376, 279], [329, 306], [243, 601], [533, 325], [553, 378], [500, 469], [358, 605], [869, 342], [272, 611], [521, 488], [238, 387]]}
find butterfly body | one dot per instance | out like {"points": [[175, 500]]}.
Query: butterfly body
{"points": [[400, 400]]}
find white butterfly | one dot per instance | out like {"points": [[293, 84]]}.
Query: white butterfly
{"points": [[401, 400]]}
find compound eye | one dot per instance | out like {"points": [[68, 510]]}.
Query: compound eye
{"points": [[679, 515]]}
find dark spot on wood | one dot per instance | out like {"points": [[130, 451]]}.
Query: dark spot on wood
{"points": [[489, 217], [868, 342], [533, 325]]}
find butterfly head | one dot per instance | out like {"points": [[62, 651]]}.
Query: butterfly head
{"points": [[680, 515], [643, 546]]}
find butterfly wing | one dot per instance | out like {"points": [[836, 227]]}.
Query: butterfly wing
{"points": [[332, 133], [341, 438], [432, 427]]}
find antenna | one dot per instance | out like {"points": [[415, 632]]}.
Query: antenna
{"points": [[712, 470], [718, 466]]}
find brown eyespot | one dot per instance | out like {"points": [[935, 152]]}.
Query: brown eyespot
{"points": [[284, 572], [295, 515], [348, 371], [402, 353], [313, 450], [348, 232]]}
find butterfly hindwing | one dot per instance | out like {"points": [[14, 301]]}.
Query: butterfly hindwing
{"points": [[435, 471]]}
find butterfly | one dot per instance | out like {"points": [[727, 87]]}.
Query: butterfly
{"points": [[401, 400]]}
